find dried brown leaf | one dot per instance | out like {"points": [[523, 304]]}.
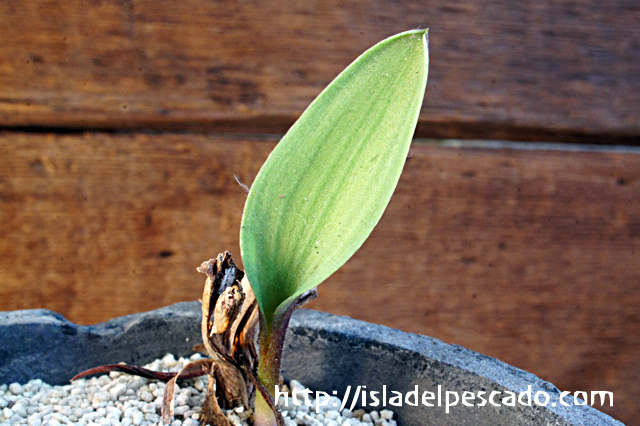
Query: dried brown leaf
{"points": [[227, 307], [136, 371], [211, 413], [229, 332], [231, 389], [202, 366]]}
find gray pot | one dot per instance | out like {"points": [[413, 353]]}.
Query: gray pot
{"points": [[325, 352]]}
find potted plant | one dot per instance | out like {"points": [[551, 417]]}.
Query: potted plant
{"points": [[325, 352], [314, 202]]}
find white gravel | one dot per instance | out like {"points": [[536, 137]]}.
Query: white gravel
{"points": [[119, 399]]}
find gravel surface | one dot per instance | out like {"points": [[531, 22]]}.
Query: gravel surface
{"points": [[121, 399]]}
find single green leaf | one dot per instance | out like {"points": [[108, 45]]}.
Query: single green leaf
{"points": [[326, 184]]}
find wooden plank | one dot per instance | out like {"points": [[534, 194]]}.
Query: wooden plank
{"points": [[527, 70], [529, 256]]}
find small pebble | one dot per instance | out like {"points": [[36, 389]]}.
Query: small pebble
{"points": [[199, 384], [15, 388], [7, 413], [149, 408], [386, 414], [146, 396], [182, 399], [180, 410], [118, 389]]}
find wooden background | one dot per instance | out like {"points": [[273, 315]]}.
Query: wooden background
{"points": [[123, 123]]}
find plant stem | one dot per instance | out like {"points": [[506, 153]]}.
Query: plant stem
{"points": [[272, 334], [268, 371], [263, 414]]}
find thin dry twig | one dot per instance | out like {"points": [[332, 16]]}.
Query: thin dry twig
{"points": [[136, 371]]}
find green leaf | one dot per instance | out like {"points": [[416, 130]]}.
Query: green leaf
{"points": [[326, 184]]}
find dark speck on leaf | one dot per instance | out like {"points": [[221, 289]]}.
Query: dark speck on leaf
{"points": [[166, 253]]}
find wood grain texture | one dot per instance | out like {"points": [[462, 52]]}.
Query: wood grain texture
{"points": [[528, 256], [526, 70]]}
